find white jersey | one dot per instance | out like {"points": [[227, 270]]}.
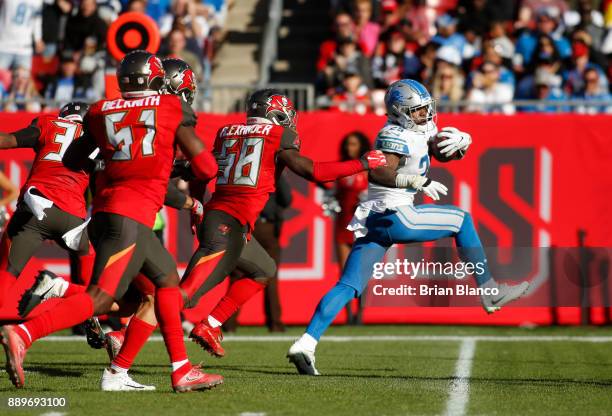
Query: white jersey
{"points": [[20, 23], [413, 148]]}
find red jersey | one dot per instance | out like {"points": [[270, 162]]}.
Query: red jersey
{"points": [[64, 186], [246, 154], [348, 190], [136, 140]]}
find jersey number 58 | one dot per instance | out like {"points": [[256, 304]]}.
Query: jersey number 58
{"points": [[239, 164]]}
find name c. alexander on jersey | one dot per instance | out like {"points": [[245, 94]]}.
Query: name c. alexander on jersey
{"points": [[243, 130]]}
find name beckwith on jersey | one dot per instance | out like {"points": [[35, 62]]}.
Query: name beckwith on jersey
{"points": [[136, 138], [246, 154]]}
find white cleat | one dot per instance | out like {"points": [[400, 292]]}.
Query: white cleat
{"points": [[506, 294], [121, 382], [303, 359], [46, 286]]}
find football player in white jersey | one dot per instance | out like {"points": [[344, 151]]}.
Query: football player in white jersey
{"points": [[389, 216]]}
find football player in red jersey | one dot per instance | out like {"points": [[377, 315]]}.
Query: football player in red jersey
{"points": [[249, 155], [52, 202], [136, 136]]}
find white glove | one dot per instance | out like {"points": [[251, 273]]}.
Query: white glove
{"points": [[434, 190], [456, 140]]}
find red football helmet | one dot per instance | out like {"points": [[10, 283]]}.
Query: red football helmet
{"points": [[273, 105]]}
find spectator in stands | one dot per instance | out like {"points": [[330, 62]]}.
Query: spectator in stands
{"points": [[581, 61], [428, 57], [54, 17], [177, 43], [447, 34], [418, 15], [23, 94], [64, 88], [349, 191], [86, 24], [544, 63], [593, 91], [547, 88], [390, 60], [20, 28], [348, 58], [184, 15], [531, 8], [486, 89], [547, 24], [447, 86], [367, 30], [156, 9], [390, 16], [475, 16], [501, 42], [353, 95], [592, 22], [492, 53], [344, 28], [139, 6]]}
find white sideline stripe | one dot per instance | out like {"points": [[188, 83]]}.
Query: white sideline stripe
{"points": [[383, 338], [459, 389]]}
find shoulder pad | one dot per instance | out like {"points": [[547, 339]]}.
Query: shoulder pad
{"points": [[390, 140]]}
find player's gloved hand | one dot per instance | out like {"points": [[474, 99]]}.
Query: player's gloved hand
{"points": [[434, 189], [373, 159], [197, 214], [456, 141]]}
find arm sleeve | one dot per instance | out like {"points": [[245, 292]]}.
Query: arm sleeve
{"points": [[174, 197], [189, 118], [290, 140], [29, 136]]}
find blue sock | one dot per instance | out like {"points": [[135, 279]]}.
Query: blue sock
{"points": [[328, 308], [470, 249]]}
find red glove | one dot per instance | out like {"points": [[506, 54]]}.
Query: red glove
{"points": [[197, 214], [373, 159]]}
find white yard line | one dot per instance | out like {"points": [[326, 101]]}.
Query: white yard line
{"points": [[459, 389], [382, 338]]}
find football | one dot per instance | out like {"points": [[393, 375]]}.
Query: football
{"points": [[436, 152]]}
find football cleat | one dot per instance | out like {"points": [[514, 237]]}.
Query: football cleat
{"points": [[96, 338], [46, 286], [507, 294], [121, 381], [303, 359], [208, 338], [190, 378], [15, 350], [113, 342]]}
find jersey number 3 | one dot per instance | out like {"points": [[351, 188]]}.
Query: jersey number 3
{"points": [[121, 139], [239, 165]]}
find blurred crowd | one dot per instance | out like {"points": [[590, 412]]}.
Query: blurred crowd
{"points": [[473, 55], [55, 49]]}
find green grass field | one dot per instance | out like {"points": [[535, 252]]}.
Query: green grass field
{"points": [[553, 371]]}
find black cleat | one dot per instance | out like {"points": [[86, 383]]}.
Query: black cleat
{"points": [[96, 338]]}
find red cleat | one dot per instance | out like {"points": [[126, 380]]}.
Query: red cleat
{"points": [[190, 378], [208, 338], [114, 341], [15, 350]]}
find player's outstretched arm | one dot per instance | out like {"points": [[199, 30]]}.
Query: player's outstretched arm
{"points": [[203, 163], [329, 171], [26, 137], [388, 176]]}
